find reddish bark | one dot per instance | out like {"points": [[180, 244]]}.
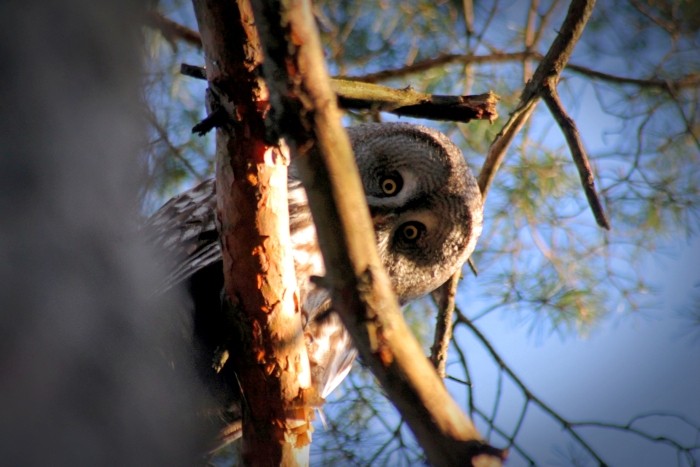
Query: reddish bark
{"points": [[271, 361]]}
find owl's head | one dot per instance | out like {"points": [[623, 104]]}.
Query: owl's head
{"points": [[425, 203]]}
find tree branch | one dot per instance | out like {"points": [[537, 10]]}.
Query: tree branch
{"points": [[171, 30], [403, 102], [530, 36], [303, 99], [578, 153], [546, 75], [689, 81], [544, 78], [409, 103], [176, 30], [445, 298], [251, 184], [461, 318]]}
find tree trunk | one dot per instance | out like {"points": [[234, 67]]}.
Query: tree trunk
{"points": [[270, 358]]}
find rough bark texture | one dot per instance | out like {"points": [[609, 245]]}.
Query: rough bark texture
{"points": [[270, 358], [303, 99]]}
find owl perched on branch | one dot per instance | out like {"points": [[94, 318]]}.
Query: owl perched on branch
{"points": [[427, 213]]}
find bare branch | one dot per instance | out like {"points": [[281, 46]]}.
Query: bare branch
{"points": [[461, 318], [174, 151], [403, 102], [469, 16], [691, 80], [171, 30], [578, 153], [302, 96], [500, 145], [556, 58], [443, 328], [530, 35], [549, 69], [442, 60], [193, 71], [544, 21], [409, 103]]}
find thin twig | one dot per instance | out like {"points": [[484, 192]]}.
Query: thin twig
{"points": [[176, 152], [689, 81], [544, 21], [578, 153], [443, 328], [461, 318], [530, 36], [172, 30]]}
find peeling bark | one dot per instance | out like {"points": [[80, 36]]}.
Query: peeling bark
{"points": [[271, 361]]}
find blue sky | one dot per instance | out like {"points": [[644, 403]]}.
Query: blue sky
{"points": [[631, 365]]}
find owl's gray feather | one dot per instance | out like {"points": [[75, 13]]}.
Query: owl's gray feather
{"points": [[434, 197]]}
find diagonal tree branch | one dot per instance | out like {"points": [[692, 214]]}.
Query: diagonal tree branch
{"points": [[171, 30], [303, 99], [578, 153], [443, 328], [546, 75]]}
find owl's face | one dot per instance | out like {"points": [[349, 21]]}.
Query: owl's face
{"points": [[424, 201]]}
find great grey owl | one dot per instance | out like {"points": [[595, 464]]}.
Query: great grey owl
{"points": [[427, 213]]}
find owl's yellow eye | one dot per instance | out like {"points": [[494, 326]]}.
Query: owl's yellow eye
{"points": [[411, 231], [392, 184], [389, 186]]}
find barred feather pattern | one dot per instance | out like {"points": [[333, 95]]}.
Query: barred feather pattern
{"points": [[185, 227]]}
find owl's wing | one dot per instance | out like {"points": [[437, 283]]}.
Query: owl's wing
{"points": [[185, 230], [328, 343]]}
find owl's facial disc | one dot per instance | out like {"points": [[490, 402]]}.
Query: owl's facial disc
{"points": [[425, 203]]}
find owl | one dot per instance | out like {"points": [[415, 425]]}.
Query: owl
{"points": [[427, 213]]}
